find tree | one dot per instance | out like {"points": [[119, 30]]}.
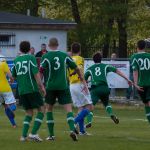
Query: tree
{"points": [[122, 29], [75, 11], [107, 39], [21, 6], [100, 23], [138, 21]]}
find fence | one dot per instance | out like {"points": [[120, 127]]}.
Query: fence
{"points": [[92, 49]]}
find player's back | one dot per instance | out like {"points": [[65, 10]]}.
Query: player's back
{"points": [[25, 66], [56, 62], [98, 73], [3, 80], [141, 62], [80, 63]]}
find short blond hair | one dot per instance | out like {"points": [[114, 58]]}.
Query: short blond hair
{"points": [[53, 42]]}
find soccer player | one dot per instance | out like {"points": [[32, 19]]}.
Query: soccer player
{"points": [[99, 86], [26, 72], [56, 63], [140, 62], [6, 92], [81, 100]]}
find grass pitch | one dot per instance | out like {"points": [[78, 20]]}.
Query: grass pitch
{"points": [[133, 132]]}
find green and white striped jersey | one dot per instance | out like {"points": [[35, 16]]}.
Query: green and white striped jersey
{"points": [[56, 63], [24, 69], [141, 63], [98, 73]]}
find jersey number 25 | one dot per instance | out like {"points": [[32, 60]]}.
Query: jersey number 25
{"points": [[22, 68]]}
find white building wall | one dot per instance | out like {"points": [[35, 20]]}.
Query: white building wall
{"points": [[36, 38]]}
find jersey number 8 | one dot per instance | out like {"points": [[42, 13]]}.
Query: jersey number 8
{"points": [[97, 71]]}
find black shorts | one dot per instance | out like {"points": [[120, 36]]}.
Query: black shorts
{"points": [[100, 92], [145, 96], [63, 96], [31, 100]]}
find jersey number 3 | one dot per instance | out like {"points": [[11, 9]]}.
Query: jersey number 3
{"points": [[57, 63]]}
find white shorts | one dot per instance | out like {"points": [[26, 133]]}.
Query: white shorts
{"points": [[79, 97], [7, 97]]}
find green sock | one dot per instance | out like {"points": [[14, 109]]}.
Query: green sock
{"points": [[26, 125], [70, 120], [109, 110], [37, 122], [50, 123], [147, 112], [90, 117]]}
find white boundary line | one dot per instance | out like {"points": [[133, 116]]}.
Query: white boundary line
{"points": [[138, 119], [102, 117]]}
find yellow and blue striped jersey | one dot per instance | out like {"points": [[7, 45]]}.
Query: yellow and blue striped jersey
{"points": [[80, 63], [4, 85]]}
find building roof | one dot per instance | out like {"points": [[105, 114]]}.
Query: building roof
{"points": [[12, 20]]}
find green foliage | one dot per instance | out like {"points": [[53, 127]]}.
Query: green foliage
{"points": [[95, 15], [138, 21], [21, 6]]}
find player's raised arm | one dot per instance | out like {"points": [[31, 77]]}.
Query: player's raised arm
{"points": [[122, 75]]}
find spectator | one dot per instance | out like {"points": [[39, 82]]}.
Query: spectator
{"points": [[32, 51], [113, 56], [42, 52]]}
